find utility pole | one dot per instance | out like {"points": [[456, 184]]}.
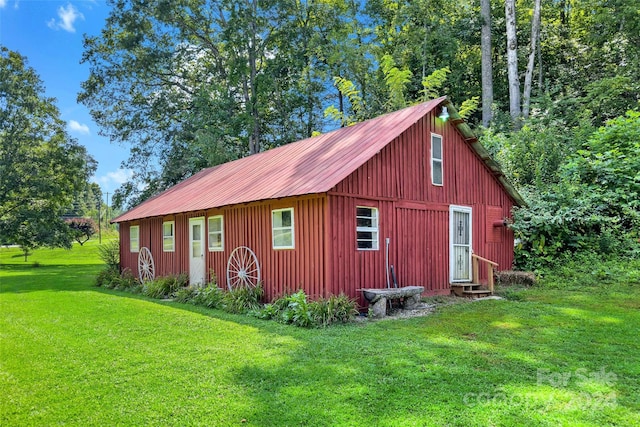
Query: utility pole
{"points": [[100, 221], [106, 222]]}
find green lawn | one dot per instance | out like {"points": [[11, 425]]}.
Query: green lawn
{"points": [[74, 354]]}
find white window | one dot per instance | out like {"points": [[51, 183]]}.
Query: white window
{"points": [[216, 233], [436, 159], [282, 228], [134, 238], [367, 228], [168, 236]]}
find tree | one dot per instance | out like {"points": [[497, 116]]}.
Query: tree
{"points": [[81, 229], [487, 64], [193, 83], [512, 62], [535, 35], [41, 167], [608, 169], [85, 202]]}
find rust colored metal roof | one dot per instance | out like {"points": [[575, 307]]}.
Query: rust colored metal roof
{"points": [[310, 166]]}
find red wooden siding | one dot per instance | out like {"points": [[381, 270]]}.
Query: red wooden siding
{"points": [[415, 214], [422, 247], [283, 270], [350, 268]]}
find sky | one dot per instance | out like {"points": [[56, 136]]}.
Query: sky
{"points": [[49, 33]]}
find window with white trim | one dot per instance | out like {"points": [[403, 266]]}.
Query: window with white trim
{"points": [[168, 236], [216, 233], [282, 230], [367, 228], [134, 238], [436, 159]]}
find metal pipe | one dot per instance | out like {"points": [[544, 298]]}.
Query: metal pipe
{"points": [[386, 259]]}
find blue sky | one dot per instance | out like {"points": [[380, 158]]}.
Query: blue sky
{"points": [[49, 33]]}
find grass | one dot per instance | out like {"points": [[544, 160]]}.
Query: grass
{"points": [[74, 354]]}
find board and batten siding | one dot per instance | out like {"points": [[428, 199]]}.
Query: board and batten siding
{"points": [[414, 213], [283, 270]]}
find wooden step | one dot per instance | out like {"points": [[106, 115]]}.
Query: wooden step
{"points": [[477, 292], [473, 290]]}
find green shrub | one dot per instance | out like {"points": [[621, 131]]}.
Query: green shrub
{"points": [[210, 296], [243, 299], [107, 276], [590, 270], [593, 205], [155, 288], [295, 309], [274, 310], [165, 287], [109, 253], [335, 309], [186, 294], [127, 281], [111, 278]]}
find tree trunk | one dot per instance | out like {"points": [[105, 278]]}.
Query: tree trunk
{"points": [[539, 67], [535, 35], [254, 138], [512, 63], [341, 108], [487, 66]]}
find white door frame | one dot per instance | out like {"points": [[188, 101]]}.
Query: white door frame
{"points": [[456, 247], [197, 251]]}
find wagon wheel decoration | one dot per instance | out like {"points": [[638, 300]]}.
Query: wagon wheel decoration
{"points": [[243, 269], [146, 267]]}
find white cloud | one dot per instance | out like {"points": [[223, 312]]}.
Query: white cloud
{"points": [[68, 16], [115, 178], [3, 3], [78, 127]]}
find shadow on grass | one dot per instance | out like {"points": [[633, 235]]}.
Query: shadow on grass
{"points": [[493, 362], [52, 277], [486, 363], [459, 367]]}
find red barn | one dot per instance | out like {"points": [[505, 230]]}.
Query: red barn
{"points": [[331, 213]]}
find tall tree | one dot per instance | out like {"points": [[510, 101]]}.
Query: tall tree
{"points": [[41, 167], [487, 62], [193, 83], [528, 77], [512, 62], [166, 76]]}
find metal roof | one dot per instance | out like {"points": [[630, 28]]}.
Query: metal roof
{"points": [[310, 166]]}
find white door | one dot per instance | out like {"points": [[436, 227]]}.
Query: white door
{"points": [[460, 243], [196, 251]]}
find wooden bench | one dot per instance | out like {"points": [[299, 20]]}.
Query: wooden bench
{"points": [[378, 297]]}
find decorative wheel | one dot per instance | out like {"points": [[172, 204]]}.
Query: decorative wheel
{"points": [[146, 268], [243, 269]]}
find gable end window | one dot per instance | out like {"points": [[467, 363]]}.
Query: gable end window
{"points": [[168, 236], [134, 238], [282, 229], [216, 233], [436, 159], [367, 228]]}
